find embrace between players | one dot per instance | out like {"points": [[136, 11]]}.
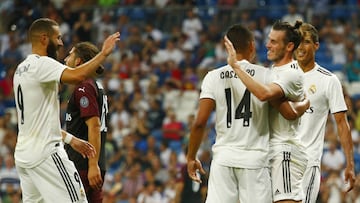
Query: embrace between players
{"points": [[258, 118]]}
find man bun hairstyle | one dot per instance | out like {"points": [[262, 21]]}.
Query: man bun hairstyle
{"points": [[292, 33]]}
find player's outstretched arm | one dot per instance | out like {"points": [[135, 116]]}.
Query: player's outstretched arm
{"points": [[81, 146], [347, 145], [261, 91], [88, 69], [206, 106]]}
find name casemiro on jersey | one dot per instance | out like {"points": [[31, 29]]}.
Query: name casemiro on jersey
{"points": [[232, 74]]}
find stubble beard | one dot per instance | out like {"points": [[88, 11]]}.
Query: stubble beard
{"points": [[52, 50]]}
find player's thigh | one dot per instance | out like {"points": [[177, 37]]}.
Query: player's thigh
{"points": [[254, 185], [30, 192], [311, 184], [287, 171], [222, 185], [58, 180]]}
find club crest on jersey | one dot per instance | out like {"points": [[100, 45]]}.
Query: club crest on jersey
{"points": [[312, 89], [84, 102]]}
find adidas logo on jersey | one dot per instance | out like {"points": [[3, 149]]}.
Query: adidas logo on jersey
{"points": [[277, 192]]}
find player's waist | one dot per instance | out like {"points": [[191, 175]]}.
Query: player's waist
{"points": [[241, 158]]}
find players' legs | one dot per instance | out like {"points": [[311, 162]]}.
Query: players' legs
{"points": [[311, 184], [57, 180], [254, 185], [29, 191], [222, 185], [287, 170]]}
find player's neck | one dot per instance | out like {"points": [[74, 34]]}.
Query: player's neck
{"points": [[241, 57], [39, 52], [307, 66], [283, 61]]}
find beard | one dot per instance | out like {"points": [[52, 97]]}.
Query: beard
{"points": [[52, 50]]}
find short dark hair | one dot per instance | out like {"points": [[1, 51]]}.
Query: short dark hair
{"points": [[86, 51], [292, 33], [41, 25], [240, 36]]}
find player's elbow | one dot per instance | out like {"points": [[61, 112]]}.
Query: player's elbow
{"points": [[290, 116], [264, 96]]}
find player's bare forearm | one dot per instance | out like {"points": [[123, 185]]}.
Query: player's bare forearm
{"points": [[261, 91], [83, 147], [88, 69], [94, 136], [347, 145], [300, 106], [197, 130], [196, 136]]}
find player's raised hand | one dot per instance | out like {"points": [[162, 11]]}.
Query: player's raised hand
{"points": [[231, 59], [83, 147], [193, 166], [109, 43]]}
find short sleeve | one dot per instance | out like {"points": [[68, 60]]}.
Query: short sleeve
{"points": [[291, 82], [49, 69], [335, 94], [206, 87], [85, 98]]}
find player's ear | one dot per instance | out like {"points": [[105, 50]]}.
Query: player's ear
{"points": [[44, 38], [316, 45], [252, 49], [78, 61]]}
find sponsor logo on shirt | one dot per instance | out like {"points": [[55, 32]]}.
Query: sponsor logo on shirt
{"points": [[82, 89]]}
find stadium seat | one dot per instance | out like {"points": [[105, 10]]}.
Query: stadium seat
{"points": [[137, 14], [352, 2], [335, 67], [323, 57], [176, 146], [354, 88], [340, 12]]}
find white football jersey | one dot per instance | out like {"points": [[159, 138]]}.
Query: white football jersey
{"points": [[325, 93], [290, 78], [36, 82], [242, 126]]}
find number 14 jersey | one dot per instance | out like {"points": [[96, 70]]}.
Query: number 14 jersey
{"points": [[242, 124]]}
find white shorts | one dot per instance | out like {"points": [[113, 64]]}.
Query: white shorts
{"points": [[311, 184], [54, 180], [231, 185], [287, 172]]}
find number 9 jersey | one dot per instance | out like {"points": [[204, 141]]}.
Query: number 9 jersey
{"points": [[242, 124], [36, 84]]}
